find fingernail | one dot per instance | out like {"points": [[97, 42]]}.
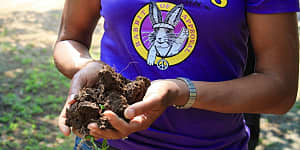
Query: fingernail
{"points": [[72, 96], [129, 113], [108, 114], [65, 130], [92, 125]]}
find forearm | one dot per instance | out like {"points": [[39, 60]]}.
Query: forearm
{"points": [[78, 22], [70, 56], [256, 93]]}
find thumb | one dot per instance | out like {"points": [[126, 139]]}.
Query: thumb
{"points": [[76, 84], [62, 127], [149, 103], [62, 118]]}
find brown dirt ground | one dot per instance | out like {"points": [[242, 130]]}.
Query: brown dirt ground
{"points": [[36, 22]]}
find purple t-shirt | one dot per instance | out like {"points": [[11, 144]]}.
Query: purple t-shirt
{"points": [[204, 40]]}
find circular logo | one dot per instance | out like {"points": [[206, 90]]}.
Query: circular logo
{"points": [[162, 64], [163, 34]]}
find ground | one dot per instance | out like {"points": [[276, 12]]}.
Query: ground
{"points": [[32, 91]]}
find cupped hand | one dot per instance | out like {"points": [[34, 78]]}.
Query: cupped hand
{"points": [[86, 77], [160, 95]]}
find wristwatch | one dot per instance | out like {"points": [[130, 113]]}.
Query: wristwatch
{"points": [[192, 95]]}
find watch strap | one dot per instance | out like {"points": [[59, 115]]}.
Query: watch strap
{"points": [[192, 94]]}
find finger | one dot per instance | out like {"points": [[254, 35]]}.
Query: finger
{"points": [[103, 133], [139, 119], [62, 122], [120, 124], [62, 127], [70, 100], [77, 133], [62, 118], [95, 131], [149, 103], [139, 123]]}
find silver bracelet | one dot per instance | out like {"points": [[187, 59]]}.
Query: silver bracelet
{"points": [[192, 95]]}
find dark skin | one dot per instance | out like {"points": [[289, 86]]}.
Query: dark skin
{"points": [[273, 86]]}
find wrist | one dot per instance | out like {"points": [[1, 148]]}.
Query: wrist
{"points": [[91, 62], [90, 66], [182, 93], [82, 63], [192, 94]]}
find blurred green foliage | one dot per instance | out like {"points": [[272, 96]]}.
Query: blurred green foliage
{"points": [[31, 99]]}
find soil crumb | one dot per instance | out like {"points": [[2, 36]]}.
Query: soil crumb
{"points": [[111, 92]]}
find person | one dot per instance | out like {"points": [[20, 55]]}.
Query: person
{"points": [[252, 120], [202, 42]]}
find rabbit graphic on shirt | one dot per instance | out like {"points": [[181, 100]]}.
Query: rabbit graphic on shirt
{"points": [[164, 42]]}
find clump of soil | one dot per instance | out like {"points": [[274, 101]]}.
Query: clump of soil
{"points": [[111, 92]]}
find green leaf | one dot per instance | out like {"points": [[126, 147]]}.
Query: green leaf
{"points": [[26, 99], [13, 126], [36, 109], [104, 145], [102, 107], [88, 137], [6, 117]]}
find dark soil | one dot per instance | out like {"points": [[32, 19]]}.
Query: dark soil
{"points": [[111, 92]]}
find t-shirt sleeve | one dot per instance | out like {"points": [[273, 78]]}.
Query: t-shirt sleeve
{"points": [[272, 6]]}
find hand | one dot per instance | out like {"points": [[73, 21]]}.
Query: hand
{"points": [[160, 95], [86, 77]]}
